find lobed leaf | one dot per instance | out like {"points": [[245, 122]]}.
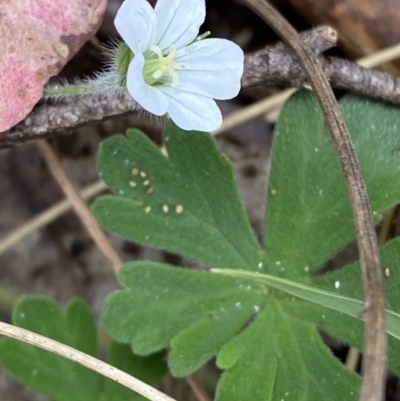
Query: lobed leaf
{"points": [[295, 363], [194, 311], [336, 301], [201, 316], [187, 203], [308, 216], [264, 334]]}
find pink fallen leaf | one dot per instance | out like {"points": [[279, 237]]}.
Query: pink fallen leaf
{"points": [[37, 38]]}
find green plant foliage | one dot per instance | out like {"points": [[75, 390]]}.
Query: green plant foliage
{"points": [[346, 283], [282, 358], [199, 314], [149, 369], [193, 207], [263, 330], [200, 311], [308, 217], [59, 378], [347, 299]]}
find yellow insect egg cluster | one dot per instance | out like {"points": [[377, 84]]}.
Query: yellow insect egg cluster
{"points": [[138, 174]]}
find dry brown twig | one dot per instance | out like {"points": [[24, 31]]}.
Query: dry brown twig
{"points": [[197, 388], [79, 204], [273, 65], [47, 216], [374, 367], [276, 100]]}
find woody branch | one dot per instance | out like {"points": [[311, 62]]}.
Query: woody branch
{"points": [[272, 65]]}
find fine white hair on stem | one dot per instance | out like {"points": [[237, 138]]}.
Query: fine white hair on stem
{"points": [[108, 50], [103, 82], [83, 359]]}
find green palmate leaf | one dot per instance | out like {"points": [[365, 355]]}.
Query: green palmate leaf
{"points": [[264, 334], [341, 291], [269, 354], [195, 311], [280, 357], [347, 305], [59, 378], [308, 217], [179, 203]]}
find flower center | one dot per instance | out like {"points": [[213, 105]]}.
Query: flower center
{"points": [[159, 69]]}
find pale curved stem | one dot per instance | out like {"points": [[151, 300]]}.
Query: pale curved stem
{"points": [[83, 359]]}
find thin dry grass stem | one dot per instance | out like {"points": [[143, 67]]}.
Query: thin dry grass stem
{"points": [[261, 107], [92, 226], [380, 57], [83, 359], [47, 217], [198, 389], [352, 358], [79, 204], [374, 362], [254, 110], [387, 224]]}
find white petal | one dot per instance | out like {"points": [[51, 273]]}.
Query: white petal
{"points": [[213, 67], [149, 97], [136, 22], [220, 85], [212, 55], [191, 111], [179, 21]]}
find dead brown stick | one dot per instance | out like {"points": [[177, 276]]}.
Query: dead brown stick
{"points": [[374, 367], [62, 117], [81, 209], [46, 217], [197, 388], [273, 65]]}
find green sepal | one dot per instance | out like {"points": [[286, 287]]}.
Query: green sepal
{"points": [[123, 57]]}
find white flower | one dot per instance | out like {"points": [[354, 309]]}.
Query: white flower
{"points": [[172, 72]]}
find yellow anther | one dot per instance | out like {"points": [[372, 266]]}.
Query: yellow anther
{"points": [[160, 69], [159, 73]]}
